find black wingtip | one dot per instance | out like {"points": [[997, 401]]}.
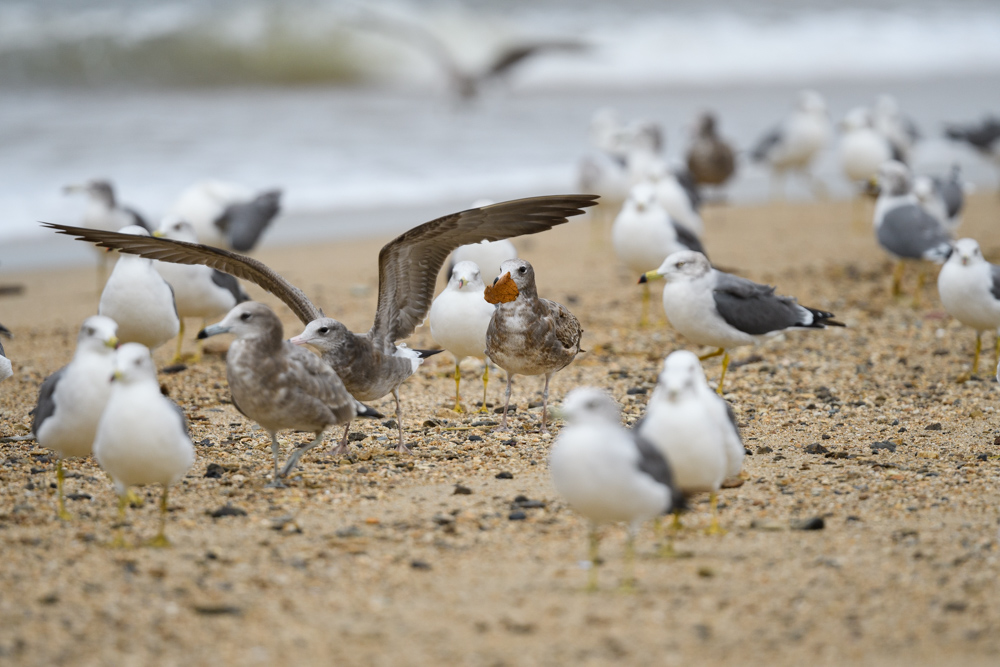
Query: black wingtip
{"points": [[202, 335], [371, 413], [428, 353]]}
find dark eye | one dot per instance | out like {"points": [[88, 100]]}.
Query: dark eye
{"points": [[245, 316], [88, 331], [138, 362], [522, 269], [324, 330], [680, 264]]}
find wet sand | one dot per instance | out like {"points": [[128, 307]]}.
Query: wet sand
{"points": [[377, 560]]}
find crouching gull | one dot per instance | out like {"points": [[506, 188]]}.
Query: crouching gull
{"points": [[459, 318], [227, 215], [710, 307], [199, 291], [795, 143], [528, 335], [279, 385], [710, 158], [369, 364], [142, 436], [71, 400], [970, 291], [608, 474], [903, 227], [694, 430], [139, 299]]}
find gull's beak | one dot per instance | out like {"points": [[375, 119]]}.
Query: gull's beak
{"points": [[965, 260], [461, 283], [650, 276], [158, 234], [116, 376], [111, 342], [213, 330], [298, 340]]}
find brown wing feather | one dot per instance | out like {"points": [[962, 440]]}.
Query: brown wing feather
{"points": [[409, 264], [568, 331], [182, 252]]}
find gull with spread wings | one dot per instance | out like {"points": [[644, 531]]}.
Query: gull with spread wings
{"points": [[370, 364]]}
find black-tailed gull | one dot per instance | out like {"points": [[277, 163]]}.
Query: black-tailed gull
{"points": [[459, 318], [678, 196], [71, 400], [227, 215], [528, 335], [898, 129], [142, 435], [608, 474], [983, 136], [694, 429], [943, 196], [710, 158], [199, 291], [710, 307], [969, 287], [139, 299], [280, 385], [371, 362], [795, 143], [861, 149]]}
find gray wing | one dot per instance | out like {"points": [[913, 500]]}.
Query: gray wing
{"points": [[753, 308], [981, 136], [952, 193], [243, 223], [688, 238], [409, 264], [766, 144], [46, 406], [182, 252], [320, 381], [654, 464], [180, 413], [230, 284], [514, 55], [995, 287], [910, 232]]}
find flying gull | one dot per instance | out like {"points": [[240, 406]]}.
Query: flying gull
{"points": [[71, 400], [369, 363], [710, 307], [227, 215], [943, 196], [608, 474], [710, 158], [199, 291], [280, 385], [142, 436], [969, 287], [6, 370], [528, 335], [795, 143], [903, 227], [139, 299], [459, 318], [694, 430]]}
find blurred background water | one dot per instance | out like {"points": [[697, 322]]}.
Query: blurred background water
{"points": [[358, 128]]}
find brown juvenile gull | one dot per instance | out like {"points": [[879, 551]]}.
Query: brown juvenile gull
{"points": [[280, 385], [370, 363], [528, 335], [710, 159]]}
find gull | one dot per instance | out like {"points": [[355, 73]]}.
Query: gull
{"points": [[970, 291], [678, 195], [695, 431], [942, 196], [644, 234], [608, 474], [897, 128], [710, 307], [983, 136], [6, 370], [795, 143], [624, 154], [710, 158], [227, 215], [528, 335], [862, 149], [71, 400], [139, 299], [199, 291], [370, 364], [142, 435], [459, 318], [903, 227], [280, 385]]}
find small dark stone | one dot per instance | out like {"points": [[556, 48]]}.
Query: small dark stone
{"points": [[811, 406], [504, 475], [982, 456], [527, 504], [499, 411], [996, 441], [534, 404], [895, 422], [901, 430], [432, 423], [572, 299], [228, 510], [461, 490], [475, 438], [350, 531], [389, 423], [173, 368], [936, 426], [510, 442], [825, 436], [214, 471], [218, 610], [51, 598], [815, 523], [876, 446], [35, 471], [87, 496], [205, 443], [362, 469], [420, 565], [484, 422], [815, 448], [764, 450], [636, 391], [517, 516], [956, 606], [838, 455], [747, 452], [851, 517], [357, 436], [442, 520]]}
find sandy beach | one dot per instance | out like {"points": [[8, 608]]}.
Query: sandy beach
{"points": [[383, 559]]}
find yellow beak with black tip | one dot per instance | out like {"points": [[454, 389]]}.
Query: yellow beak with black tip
{"points": [[158, 234], [650, 276], [117, 375], [112, 342]]}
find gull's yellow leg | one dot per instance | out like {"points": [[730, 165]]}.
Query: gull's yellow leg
{"points": [[979, 347], [676, 524], [711, 354], [725, 365], [161, 537], [714, 528], [897, 278], [644, 317], [119, 541], [996, 351], [178, 357], [60, 476], [458, 394], [486, 380], [921, 279], [667, 548], [595, 541], [132, 498], [628, 581]]}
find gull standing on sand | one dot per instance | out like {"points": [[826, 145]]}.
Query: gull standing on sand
{"points": [[608, 474], [142, 437], [903, 227], [680, 199], [199, 291], [279, 385], [970, 291], [644, 234], [139, 300], [370, 364], [710, 158], [227, 215], [795, 143], [71, 400], [694, 429], [6, 370], [710, 307], [942, 196], [459, 318], [528, 335], [862, 150]]}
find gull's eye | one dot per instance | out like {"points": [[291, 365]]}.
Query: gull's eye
{"points": [[245, 316], [89, 332], [323, 330], [523, 269], [680, 264], [138, 362]]}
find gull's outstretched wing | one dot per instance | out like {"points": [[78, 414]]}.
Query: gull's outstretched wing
{"points": [[182, 252], [408, 265]]}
